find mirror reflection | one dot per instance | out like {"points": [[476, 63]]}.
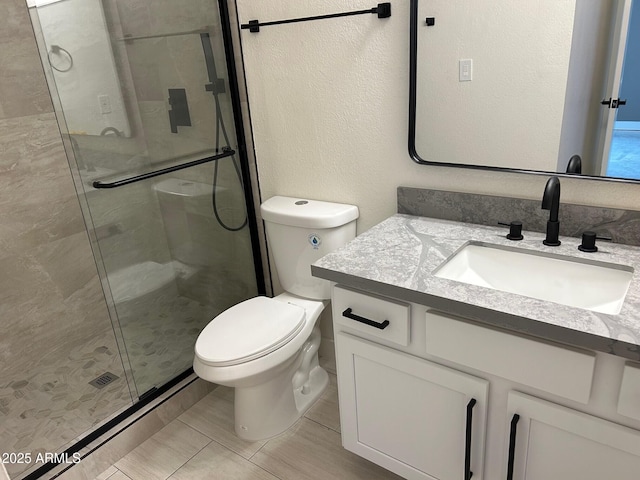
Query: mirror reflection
{"points": [[83, 66], [542, 86]]}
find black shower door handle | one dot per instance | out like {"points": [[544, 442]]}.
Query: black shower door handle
{"points": [[381, 325]]}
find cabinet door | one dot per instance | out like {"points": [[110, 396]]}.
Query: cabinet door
{"points": [[413, 417], [550, 442]]}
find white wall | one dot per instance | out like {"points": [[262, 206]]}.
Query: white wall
{"points": [[329, 107]]}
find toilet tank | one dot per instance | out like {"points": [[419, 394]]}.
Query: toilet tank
{"points": [[302, 231]]}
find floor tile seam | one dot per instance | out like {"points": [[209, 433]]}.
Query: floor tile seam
{"points": [[261, 447], [323, 425], [190, 458], [218, 441], [239, 455], [289, 465], [264, 469], [277, 436], [195, 428], [172, 472], [116, 472]]}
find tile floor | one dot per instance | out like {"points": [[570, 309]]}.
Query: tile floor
{"points": [[624, 158], [47, 408], [201, 444]]}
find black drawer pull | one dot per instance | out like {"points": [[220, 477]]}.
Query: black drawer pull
{"points": [[512, 446], [467, 447], [347, 313]]}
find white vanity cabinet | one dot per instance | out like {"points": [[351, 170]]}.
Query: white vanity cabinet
{"points": [[414, 417], [431, 396], [551, 442]]}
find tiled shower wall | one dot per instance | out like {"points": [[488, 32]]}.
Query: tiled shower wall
{"points": [[50, 294]]}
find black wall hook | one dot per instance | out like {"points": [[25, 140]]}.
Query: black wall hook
{"points": [[383, 10]]}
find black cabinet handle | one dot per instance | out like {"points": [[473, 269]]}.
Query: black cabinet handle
{"points": [[347, 313], [512, 446], [467, 446]]}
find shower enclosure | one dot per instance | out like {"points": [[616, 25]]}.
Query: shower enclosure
{"points": [[147, 108]]}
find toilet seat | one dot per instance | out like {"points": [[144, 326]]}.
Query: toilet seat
{"points": [[249, 330]]}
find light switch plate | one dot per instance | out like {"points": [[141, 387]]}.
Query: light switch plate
{"points": [[466, 70]]}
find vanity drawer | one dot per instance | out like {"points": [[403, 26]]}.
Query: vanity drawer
{"points": [[376, 316], [555, 369], [629, 400]]}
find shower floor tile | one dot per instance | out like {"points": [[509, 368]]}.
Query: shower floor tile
{"points": [[51, 405], [48, 408], [160, 335]]}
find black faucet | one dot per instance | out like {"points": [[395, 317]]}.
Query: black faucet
{"points": [[551, 202]]}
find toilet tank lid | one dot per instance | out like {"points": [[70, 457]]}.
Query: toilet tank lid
{"points": [[299, 212]]}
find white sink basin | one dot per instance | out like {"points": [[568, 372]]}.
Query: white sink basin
{"points": [[576, 282]]}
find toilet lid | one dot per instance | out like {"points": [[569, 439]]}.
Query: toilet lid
{"points": [[249, 330]]}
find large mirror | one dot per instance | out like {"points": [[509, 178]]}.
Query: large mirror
{"points": [[539, 86]]}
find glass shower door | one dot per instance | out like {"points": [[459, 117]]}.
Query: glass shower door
{"points": [[145, 98]]}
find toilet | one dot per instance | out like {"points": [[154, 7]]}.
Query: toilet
{"points": [[267, 348]]}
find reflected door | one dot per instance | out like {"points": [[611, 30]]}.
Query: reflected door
{"points": [[624, 152], [612, 100]]}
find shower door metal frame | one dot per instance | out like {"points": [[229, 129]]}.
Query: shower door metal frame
{"points": [[257, 245]]}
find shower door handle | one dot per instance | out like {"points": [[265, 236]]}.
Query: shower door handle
{"points": [[226, 152]]}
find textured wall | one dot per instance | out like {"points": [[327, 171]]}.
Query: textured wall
{"points": [[329, 105]]}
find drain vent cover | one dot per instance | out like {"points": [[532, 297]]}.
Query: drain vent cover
{"points": [[103, 380]]}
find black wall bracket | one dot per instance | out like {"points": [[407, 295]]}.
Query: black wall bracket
{"points": [[216, 84], [383, 10]]}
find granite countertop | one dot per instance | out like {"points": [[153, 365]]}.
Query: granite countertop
{"points": [[397, 257]]}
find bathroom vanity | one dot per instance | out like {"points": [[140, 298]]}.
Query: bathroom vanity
{"points": [[442, 379]]}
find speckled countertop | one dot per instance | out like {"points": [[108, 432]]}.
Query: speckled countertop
{"points": [[397, 258]]}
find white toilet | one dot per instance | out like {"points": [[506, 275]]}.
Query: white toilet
{"points": [[267, 348]]}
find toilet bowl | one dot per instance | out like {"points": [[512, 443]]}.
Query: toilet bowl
{"points": [[275, 374], [267, 348]]}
